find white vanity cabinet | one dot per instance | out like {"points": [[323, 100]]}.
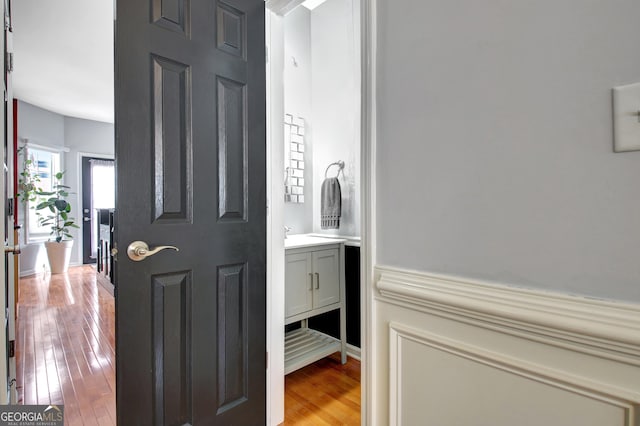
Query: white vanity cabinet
{"points": [[314, 284], [312, 280]]}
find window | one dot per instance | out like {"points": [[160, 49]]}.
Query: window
{"points": [[103, 190], [46, 164]]}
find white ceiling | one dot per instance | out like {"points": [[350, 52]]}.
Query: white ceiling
{"points": [[63, 58]]}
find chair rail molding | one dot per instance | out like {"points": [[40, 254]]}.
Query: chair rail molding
{"points": [[606, 329]]}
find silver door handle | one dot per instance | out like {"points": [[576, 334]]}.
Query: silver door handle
{"points": [[317, 281], [139, 250]]}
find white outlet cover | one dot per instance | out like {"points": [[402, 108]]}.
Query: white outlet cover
{"points": [[626, 118]]}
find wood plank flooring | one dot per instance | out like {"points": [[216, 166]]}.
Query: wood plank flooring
{"points": [[65, 345], [324, 393], [65, 348]]}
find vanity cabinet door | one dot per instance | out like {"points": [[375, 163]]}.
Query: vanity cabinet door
{"points": [[326, 277], [298, 284]]}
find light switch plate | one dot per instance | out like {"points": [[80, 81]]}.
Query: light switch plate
{"points": [[626, 118]]}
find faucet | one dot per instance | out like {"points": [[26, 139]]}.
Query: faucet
{"points": [[286, 231]]}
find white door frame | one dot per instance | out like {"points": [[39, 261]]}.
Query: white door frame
{"points": [[275, 217], [275, 220], [368, 210]]}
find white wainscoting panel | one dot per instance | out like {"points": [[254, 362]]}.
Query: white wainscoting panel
{"points": [[457, 352]]}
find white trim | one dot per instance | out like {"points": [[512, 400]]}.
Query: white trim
{"points": [[606, 329], [274, 36], [368, 209], [28, 273], [580, 385], [354, 352], [51, 148]]}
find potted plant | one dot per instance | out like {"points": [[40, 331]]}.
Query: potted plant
{"points": [[58, 218]]}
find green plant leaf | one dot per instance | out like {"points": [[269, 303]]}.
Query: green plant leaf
{"points": [[62, 205]]}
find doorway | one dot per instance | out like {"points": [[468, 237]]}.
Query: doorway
{"points": [[316, 48], [98, 194]]}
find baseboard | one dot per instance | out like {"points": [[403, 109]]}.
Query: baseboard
{"points": [[28, 273], [448, 342], [353, 351]]}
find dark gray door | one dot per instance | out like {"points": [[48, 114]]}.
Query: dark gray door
{"points": [[190, 167], [88, 245]]}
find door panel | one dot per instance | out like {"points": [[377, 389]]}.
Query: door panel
{"points": [[191, 172], [326, 265], [298, 287]]}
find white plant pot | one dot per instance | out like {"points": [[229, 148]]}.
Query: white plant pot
{"points": [[59, 255]]}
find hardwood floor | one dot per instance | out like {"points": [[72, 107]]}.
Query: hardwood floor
{"points": [[65, 345], [323, 393], [65, 349]]}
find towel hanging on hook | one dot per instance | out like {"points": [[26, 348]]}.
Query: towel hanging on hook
{"points": [[331, 199]]}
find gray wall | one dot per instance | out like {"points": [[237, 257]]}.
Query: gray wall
{"points": [[41, 127], [494, 150], [297, 101], [47, 128], [335, 86]]}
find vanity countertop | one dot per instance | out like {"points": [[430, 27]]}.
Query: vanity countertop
{"points": [[305, 240]]}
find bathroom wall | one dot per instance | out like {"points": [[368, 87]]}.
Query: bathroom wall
{"points": [[297, 102], [322, 85], [335, 89], [47, 128]]}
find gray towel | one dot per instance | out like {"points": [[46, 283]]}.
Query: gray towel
{"points": [[331, 204]]}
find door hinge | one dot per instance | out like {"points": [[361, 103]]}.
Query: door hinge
{"points": [[9, 60], [12, 348], [10, 207]]}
